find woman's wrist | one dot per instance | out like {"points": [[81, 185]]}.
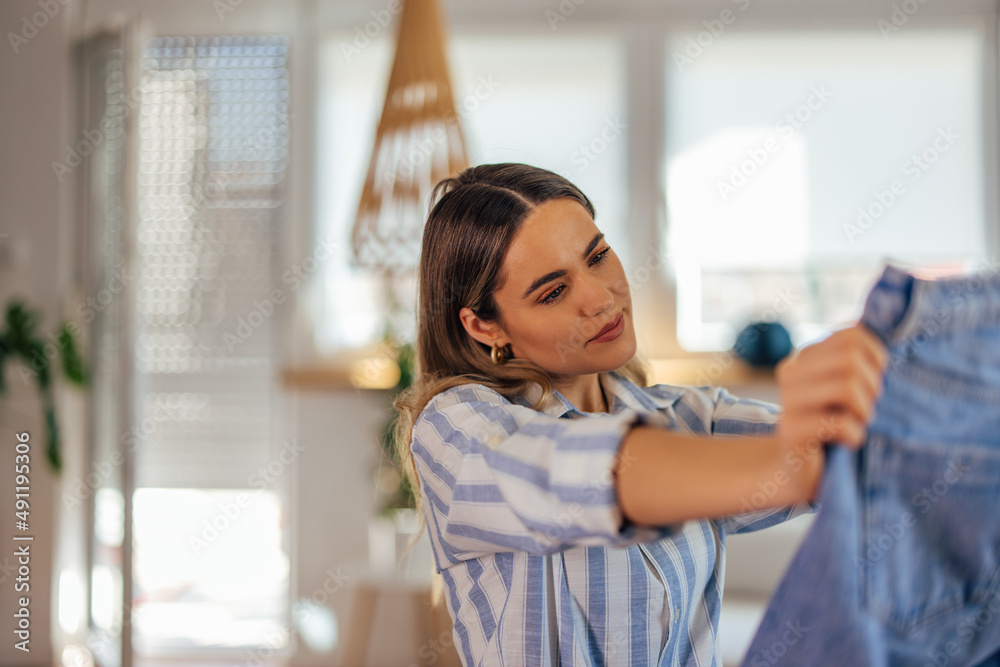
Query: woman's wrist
{"points": [[803, 462], [784, 476]]}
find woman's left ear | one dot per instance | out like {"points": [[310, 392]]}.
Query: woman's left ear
{"points": [[484, 332]]}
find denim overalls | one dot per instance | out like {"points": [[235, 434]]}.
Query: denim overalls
{"points": [[900, 566]]}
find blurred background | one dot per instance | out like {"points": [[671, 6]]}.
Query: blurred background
{"points": [[211, 213]]}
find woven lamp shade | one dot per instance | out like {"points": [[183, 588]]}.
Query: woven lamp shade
{"points": [[418, 142]]}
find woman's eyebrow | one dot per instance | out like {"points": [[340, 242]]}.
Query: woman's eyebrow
{"points": [[552, 275]]}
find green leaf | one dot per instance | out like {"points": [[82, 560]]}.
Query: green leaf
{"points": [[3, 361], [21, 325], [406, 358], [52, 450], [72, 363], [20, 341], [44, 375], [404, 495]]}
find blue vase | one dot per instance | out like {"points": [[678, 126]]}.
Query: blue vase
{"points": [[763, 344]]}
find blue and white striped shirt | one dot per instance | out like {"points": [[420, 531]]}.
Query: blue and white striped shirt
{"points": [[540, 567]]}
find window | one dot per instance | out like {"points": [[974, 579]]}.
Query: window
{"points": [[556, 102], [211, 555], [799, 161], [790, 161]]}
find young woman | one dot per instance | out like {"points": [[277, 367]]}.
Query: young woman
{"points": [[577, 515]]}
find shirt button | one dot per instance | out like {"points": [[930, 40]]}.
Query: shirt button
{"points": [[494, 441], [677, 614]]}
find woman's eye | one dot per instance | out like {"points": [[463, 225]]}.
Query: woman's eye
{"points": [[557, 292], [553, 293]]}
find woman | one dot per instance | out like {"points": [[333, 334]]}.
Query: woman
{"points": [[578, 516]]}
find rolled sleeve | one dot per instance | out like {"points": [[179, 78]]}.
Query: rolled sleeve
{"points": [[497, 476]]}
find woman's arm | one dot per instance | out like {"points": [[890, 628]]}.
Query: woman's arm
{"points": [[665, 477], [828, 393]]}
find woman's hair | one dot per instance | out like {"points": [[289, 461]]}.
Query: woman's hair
{"points": [[466, 237]]}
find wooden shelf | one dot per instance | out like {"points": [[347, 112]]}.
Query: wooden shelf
{"points": [[365, 374], [381, 373]]}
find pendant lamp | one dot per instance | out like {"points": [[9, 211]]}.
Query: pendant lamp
{"points": [[418, 142]]}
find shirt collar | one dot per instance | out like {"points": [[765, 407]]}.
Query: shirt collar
{"points": [[621, 391]]}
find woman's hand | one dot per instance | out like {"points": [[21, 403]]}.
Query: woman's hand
{"points": [[828, 393]]}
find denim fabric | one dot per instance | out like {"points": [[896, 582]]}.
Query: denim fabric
{"points": [[900, 566]]}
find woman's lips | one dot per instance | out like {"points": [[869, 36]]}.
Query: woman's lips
{"points": [[611, 331]]}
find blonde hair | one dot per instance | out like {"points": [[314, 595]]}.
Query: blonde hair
{"points": [[465, 240]]}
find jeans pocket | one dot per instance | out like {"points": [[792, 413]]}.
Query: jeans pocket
{"points": [[929, 539]]}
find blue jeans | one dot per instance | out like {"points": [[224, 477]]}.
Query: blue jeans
{"points": [[900, 566]]}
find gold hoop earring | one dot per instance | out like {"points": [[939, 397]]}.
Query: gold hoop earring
{"points": [[498, 355]]}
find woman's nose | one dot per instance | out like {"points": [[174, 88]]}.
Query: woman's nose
{"points": [[598, 298]]}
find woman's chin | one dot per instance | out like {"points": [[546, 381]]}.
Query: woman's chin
{"points": [[623, 352]]}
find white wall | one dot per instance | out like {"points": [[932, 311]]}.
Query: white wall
{"points": [[34, 78]]}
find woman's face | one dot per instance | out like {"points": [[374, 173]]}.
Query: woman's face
{"points": [[564, 286]]}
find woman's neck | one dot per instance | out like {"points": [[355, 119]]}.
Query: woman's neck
{"points": [[586, 393]]}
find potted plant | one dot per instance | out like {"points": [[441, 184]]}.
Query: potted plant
{"points": [[20, 341], [391, 532], [400, 494]]}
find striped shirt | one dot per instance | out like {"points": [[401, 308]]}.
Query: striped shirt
{"points": [[539, 564]]}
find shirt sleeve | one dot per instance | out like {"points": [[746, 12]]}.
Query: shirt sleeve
{"points": [[497, 476], [729, 416]]}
